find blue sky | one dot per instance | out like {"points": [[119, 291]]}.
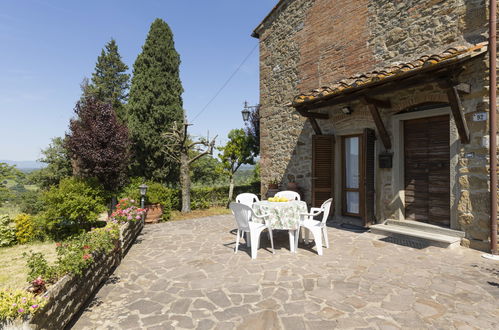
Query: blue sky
{"points": [[48, 47]]}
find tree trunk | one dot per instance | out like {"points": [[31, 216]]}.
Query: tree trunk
{"points": [[231, 189], [185, 182]]}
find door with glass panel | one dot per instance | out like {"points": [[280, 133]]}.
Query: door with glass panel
{"points": [[353, 199]]}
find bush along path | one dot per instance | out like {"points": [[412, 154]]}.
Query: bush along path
{"points": [[84, 262]]}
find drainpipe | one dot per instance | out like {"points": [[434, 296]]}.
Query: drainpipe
{"points": [[493, 126]]}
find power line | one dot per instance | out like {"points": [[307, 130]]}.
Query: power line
{"points": [[226, 83]]}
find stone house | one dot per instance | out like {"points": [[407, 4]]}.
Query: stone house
{"points": [[384, 106]]}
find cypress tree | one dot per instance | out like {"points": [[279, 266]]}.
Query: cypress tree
{"points": [[110, 82], [155, 103]]}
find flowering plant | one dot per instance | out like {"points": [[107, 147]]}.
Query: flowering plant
{"points": [[127, 210], [38, 286], [18, 304]]}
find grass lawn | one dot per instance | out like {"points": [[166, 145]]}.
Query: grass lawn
{"points": [[13, 270], [177, 215]]}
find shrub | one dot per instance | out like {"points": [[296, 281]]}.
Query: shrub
{"points": [[157, 193], [20, 304], [31, 202], [72, 207], [74, 254], [204, 197], [25, 228], [201, 197], [38, 267], [7, 231]]}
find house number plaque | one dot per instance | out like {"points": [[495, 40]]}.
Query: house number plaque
{"points": [[480, 116]]}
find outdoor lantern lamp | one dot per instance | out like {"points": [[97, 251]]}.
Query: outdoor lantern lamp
{"points": [[247, 110], [346, 110], [143, 190]]}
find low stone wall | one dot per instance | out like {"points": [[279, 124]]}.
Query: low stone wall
{"points": [[69, 294], [128, 233]]}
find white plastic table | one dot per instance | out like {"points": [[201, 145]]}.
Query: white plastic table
{"points": [[283, 215]]}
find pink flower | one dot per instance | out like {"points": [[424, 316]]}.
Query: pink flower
{"points": [[129, 217], [21, 310], [87, 256], [137, 217], [14, 304], [34, 306]]}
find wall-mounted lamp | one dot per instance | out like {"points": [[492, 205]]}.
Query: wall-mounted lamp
{"points": [[346, 110], [246, 110]]}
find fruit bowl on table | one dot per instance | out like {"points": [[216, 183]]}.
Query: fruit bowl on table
{"points": [[278, 199]]}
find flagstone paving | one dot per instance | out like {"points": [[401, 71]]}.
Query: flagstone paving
{"points": [[186, 275]]}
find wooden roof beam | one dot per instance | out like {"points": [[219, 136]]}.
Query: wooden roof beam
{"points": [[380, 126], [458, 112], [379, 103], [315, 126], [312, 117]]}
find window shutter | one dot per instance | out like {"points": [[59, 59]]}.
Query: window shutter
{"points": [[369, 172], [322, 168]]}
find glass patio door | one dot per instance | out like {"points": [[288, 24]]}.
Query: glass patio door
{"points": [[352, 180]]}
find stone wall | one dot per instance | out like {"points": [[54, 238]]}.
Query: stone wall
{"points": [[128, 233], [405, 29], [70, 293], [279, 59]]}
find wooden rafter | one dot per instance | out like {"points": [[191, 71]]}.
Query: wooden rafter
{"points": [[383, 133], [379, 103], [312, 117], [458, 113], [315, 126]]}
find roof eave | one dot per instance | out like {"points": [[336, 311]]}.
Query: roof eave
{"points": [[455, 60]]}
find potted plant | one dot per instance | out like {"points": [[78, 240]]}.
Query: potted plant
{"points": [[274, 184]]}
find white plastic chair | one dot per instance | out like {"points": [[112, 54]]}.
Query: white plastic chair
{"points": [[318, 228], [247, 199], [244, 215], [289, 194]]}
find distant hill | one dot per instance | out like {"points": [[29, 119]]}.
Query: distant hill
{"points": [[25, 165], [247, 167]]}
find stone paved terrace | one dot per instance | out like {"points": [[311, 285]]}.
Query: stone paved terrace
{"points": [[186, 275]]}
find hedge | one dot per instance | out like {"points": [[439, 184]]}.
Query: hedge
{"points": [[201, 197]]}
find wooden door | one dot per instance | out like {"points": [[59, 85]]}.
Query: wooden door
{"points": [[322, 168], [427, 170]]}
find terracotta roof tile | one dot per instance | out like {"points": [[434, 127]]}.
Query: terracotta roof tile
{"points": [[358, 80]]}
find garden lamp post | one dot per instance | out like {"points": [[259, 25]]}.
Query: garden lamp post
{"points": [[143, 190], [247, 110]]}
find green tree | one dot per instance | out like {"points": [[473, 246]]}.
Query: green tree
{"points": [[110, 82], [204, 172], [155, 103], [7, 172], [238, 151], [58, 165]]}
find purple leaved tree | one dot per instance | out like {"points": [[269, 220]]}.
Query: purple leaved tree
{"points": [[98, 143]]}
